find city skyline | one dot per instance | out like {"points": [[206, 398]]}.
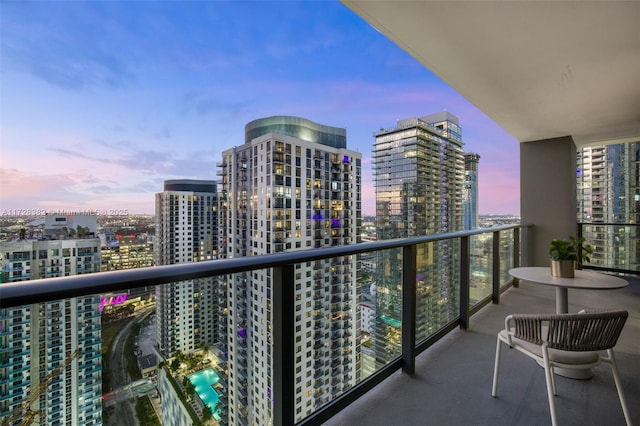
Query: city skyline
{"points": [[118, 97]]}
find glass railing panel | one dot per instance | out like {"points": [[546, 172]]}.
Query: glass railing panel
{"points": [[386, 318], [481, 267], [211, 345], [506, 255], [62, 341], [615, 246], [366, 281], [328, 326], [214, 341], [128, 341], [437, 286]]}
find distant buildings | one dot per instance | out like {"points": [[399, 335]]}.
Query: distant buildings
{"points": [[186, 231], [487, 221], [293, 185], [608, 191], [50, 353], [62, 225], [418, 169], [470, 191], [127, 252]]}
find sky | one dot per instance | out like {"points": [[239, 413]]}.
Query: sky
{"points": [[102, 101]]}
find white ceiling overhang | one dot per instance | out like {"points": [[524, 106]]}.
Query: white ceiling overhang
{"points": [[539, 69]]}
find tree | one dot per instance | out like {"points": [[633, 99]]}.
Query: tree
{"points": [[206, 413], [175, 364], [189, 388]]}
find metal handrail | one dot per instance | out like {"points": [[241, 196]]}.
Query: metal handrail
{"points": [[609, 223], [45, 290]]}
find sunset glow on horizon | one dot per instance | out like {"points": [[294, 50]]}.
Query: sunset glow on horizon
{"points": [[104, 101]]}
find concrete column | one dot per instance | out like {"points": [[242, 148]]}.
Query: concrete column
{"points": [[547, 193]]}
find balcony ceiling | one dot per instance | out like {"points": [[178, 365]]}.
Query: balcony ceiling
{"points": [[539, 69]]}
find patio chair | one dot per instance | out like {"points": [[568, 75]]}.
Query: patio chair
{"points": [[570, 341]]}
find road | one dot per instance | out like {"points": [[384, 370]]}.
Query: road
{"points": [[122, 409]]}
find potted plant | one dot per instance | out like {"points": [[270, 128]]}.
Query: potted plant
{"points": [[565, 253]]}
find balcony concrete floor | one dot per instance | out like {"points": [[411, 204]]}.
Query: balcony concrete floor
{"points": [[452, 383]]}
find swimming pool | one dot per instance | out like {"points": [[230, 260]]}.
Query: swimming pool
{"points": [[203, 381]]}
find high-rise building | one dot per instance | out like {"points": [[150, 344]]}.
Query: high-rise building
{"points": [[470, 191], [50, 353], [419, 179], [186, 231], [293, 185], [608, 191], [127, 252]]}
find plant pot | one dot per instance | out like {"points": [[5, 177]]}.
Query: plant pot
{"points": [[563, 268]]}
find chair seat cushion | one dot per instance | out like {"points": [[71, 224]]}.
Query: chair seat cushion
{"points": [[555, 355]]}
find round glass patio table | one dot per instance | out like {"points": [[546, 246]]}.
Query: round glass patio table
{"points": [[585, 280]]}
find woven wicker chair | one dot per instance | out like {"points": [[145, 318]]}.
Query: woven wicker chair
{"points": [[565, 341]]}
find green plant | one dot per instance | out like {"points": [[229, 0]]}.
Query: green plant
{"points": [[569, 249]]}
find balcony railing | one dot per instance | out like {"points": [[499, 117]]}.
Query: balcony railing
{"points": [[429, 307], [616, 246]]}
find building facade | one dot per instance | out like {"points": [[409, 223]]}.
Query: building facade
{"points": [[186, 231], [174, 411], [293, 185], [418, 170], [470, 191], [608, 191], [50, 353], [127, 252]]}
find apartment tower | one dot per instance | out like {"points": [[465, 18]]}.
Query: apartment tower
{"points": [[608, 191], [418, 170], [186, 231], [470, 191], [293, 185], [50, 353]]}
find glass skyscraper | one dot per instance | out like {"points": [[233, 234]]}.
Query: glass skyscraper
{"points": [[608, 191], [470, 201], [419, 176]]}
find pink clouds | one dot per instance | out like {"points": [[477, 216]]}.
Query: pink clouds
{"points": [[16, 184], [30, 191], [499, 190], [52, 191]]}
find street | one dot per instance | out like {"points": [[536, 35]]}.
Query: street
{"points": [[121, 401]]}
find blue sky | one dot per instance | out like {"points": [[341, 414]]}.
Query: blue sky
{"points": [[103, 101]]}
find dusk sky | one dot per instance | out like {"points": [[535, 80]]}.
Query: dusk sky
{"points": [[102, 101]]}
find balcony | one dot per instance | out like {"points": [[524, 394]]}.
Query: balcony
{"points": [[452, 380], [446, 373]]}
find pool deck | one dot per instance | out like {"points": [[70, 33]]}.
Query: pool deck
{"points": [[209, 387]]}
